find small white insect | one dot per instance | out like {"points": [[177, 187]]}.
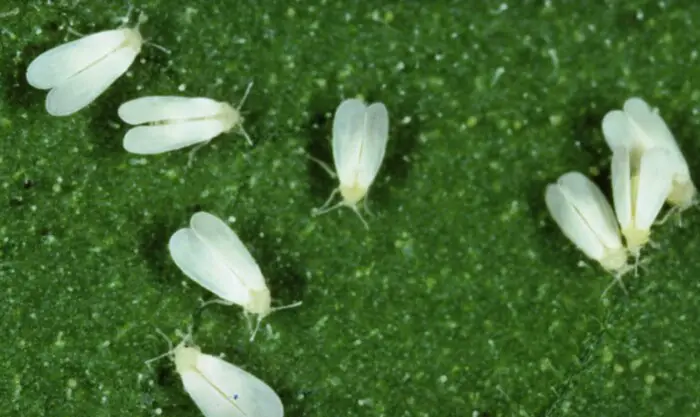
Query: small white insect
{"points": [[584, 216], [219, 388], [212, 255], [360, 134], [639, 127], [639, 191], [172, 123], [78, 72]]}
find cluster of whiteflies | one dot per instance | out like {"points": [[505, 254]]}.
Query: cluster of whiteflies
{"points": [[647, 170], [208, 251]]}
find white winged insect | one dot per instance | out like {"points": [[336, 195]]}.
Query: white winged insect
{"points": [[640, 128], [212, 255], [219, 388], [585, 217], [170, 122], [640, 188], [77, 72], [360, 134]]}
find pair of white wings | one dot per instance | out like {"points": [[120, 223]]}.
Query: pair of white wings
{"points": [[644, 148], [211, 254], [638, 127], [178, 122], [78, 72], [639, 192], [360, 134], [584, 215], [221, 389]]}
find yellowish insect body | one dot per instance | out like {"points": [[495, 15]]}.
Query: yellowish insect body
{"points": [[614, 260], [260, 303], [186, 357], [635, 238], [352, 195], [683, 194], [132, 39], [229, 116]]}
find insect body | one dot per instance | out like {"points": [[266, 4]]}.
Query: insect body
{"points": [[77, 72], [212, 255], [221, 389], [640, 187], [639, 127], [169, 122], [360, 134], [584, 216]]}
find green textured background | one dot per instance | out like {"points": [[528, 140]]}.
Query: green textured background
{"points": [[463, 299]]}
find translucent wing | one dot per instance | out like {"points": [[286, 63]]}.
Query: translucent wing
{"points": [[209, 399], [617, 130], [649, 124], [592, 206], [572, 224], [148, 140], [348, 135], [83, 88], [374, 143], [621, 174], [251, 395], [202, 265], [653, 187], [654, 132], [57, 65], [221, 239], [164, 108]]}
